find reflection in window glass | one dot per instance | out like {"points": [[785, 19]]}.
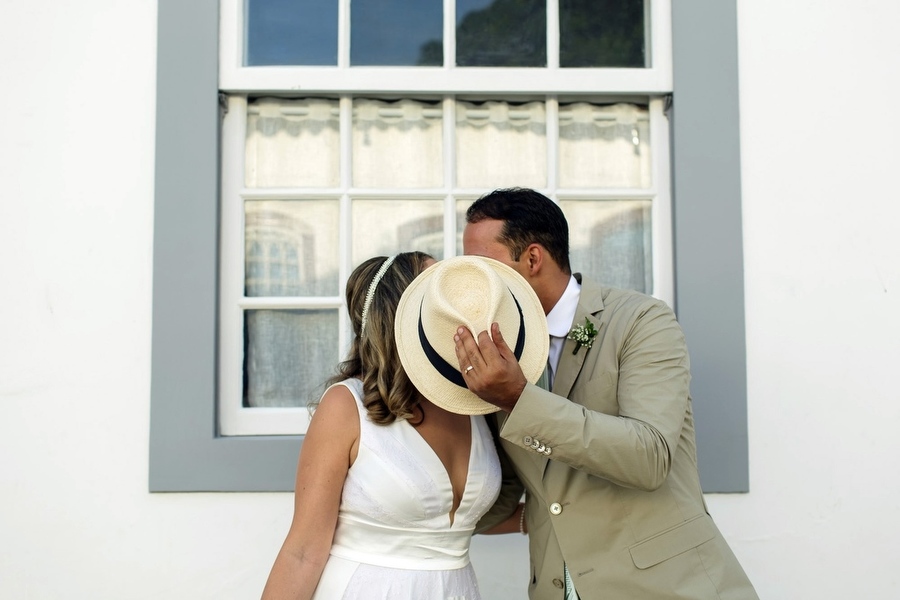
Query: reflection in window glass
{"points": [[291, 32], [604, 146], [385, 227], [499, 144], [610, 242], [397, 144], [287, 355], [461, 207], [292, 143], [503, 33], [601, 33], [291, 248], [396, 32]]}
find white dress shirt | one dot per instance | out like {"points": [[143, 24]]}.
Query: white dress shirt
{"points": [[559, 323]]}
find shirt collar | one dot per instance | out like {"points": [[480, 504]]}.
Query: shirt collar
{"points": [[560, 317]]}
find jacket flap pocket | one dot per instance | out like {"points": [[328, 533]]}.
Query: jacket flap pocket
{"points": [[672, 542]]}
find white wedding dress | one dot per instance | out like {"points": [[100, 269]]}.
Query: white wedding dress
{"points": [[394, 539]]}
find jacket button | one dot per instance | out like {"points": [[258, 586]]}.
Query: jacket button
{"points": [[527, 440], [555, 508], [535, 444], [558, 583]]}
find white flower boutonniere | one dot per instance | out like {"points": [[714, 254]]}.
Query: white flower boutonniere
{"points": [[583, 335]]}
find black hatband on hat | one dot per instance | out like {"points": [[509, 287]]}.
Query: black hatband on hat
{"points": [[448, 371]]}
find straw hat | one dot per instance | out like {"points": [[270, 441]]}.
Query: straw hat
{"points": [[472, 291]]}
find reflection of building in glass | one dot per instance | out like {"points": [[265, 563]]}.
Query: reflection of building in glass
{"points": [[614, 248], [620, 248], [280, 254], [425, 234]]}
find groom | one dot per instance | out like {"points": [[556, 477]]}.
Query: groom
{"points": [[607, 458]]}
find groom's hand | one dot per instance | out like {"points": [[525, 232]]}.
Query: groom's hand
{"points": [[495, 375]]}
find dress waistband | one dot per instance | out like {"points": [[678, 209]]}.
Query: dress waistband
{"points": [[398, 548]]}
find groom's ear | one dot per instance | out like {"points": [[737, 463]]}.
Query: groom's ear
{"points": [[534, 257]]}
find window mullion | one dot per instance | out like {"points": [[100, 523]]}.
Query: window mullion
{"points": [[343, 34], [552, 133], [553, 34], [449, 34], [449, 149]]}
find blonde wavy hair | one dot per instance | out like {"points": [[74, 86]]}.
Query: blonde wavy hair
{"points": [[388, 393]]}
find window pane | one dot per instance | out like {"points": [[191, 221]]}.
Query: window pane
{"points": [[503, 33], [601, 33], [610, 242], [291, 248], [291, 32], [396, 32], [461, 207], [287, 355], [499, 144], [292, 143], [397, 144], [604, 146], [385, 227]]}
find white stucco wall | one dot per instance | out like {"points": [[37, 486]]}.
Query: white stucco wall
{"points": [[821, 212]]}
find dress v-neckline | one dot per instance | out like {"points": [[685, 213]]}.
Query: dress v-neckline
{"points": [[443, 467]]}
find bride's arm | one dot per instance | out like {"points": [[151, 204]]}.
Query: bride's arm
{"points": [[328, 451]]}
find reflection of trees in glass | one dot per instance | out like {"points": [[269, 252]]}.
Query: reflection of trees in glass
{"points": [[512, 33], [601, 33], [508, 33], [431, 53]]}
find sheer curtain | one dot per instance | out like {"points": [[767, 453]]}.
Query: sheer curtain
{"points": [[292, 143], [604, 146], [291, 249], [608, 146], [398, 162], [292, 246], [499, 144], [397, 144]]}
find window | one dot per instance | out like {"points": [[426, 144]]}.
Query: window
{"points": [[186, 451], [406, 122]]}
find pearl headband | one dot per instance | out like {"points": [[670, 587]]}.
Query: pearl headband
{"points": [[371, 291]]}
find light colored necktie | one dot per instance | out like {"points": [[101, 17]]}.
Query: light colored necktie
{"points": [[544, 381]]}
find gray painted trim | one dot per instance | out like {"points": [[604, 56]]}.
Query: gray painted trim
{"points": [[186, 454], [709, 261]]}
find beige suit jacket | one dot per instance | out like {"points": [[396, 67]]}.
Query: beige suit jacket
{"points": [[618, 498]]}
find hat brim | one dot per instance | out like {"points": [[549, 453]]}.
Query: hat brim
{"points": [[440, 380]]}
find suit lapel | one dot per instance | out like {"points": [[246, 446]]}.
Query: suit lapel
{"points": [[590, 303]]}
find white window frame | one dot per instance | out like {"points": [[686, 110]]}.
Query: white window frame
{"points": [[548, 84]]}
